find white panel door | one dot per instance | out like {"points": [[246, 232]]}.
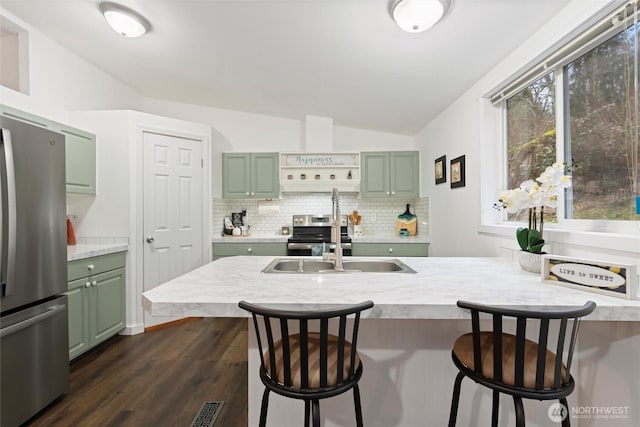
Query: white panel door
{"points": [[173, 230]]}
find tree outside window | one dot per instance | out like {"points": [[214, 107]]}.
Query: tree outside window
{"points": [[603, 130], [599, 102], [531, 133]]}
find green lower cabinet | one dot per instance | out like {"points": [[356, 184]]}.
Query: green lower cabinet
{"points": [[96, 302], [391, 249], [78, 309], [234, 249]]}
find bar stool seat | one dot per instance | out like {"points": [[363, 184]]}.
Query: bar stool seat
{"points": [[300, 362], [511, 363], [463, 349], [313, 357]]}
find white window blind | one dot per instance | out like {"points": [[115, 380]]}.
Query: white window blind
{"points": [[614, 22]]}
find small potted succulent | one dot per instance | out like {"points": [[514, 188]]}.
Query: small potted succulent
{"points": [[534, 196]]}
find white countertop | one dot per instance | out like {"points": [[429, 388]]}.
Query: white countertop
{"points": [[252, 238], [81, 251], [215, 289], [367, 238]]}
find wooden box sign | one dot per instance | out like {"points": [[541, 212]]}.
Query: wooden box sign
{"points": [[613, 279], [346, 159]]}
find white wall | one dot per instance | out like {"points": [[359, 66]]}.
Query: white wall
{"points": [[470, 126], [235, 131], [60, 82]]}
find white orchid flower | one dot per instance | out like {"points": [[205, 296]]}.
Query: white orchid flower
{"points": [[543, 191]]}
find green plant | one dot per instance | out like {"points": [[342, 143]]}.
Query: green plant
{"points": [[530, 240]]}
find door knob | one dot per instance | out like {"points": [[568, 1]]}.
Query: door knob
{"points": [[150, 239]]}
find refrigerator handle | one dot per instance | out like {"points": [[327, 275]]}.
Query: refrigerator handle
{"points": [[9, 256], [52, 311]]}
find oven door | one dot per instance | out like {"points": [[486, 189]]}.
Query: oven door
{"points": [[314, 249]]}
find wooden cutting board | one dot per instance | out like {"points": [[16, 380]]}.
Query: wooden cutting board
{"points": [[411, 225]]}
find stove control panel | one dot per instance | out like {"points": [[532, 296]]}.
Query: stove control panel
{"points": [[317, 220]]}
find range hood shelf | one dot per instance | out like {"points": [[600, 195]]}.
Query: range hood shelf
{"points": [[320, 186], [319, 172]]}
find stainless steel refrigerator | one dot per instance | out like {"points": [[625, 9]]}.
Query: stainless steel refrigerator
{"points": [[34, 337]]}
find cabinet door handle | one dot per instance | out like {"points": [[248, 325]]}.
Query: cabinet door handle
{"points": [[87, 285], [150, 239], [390, 250], [393, 193], [388, 194], [249, 250], [247, 193], [253, 194], [94, 283], [90, 267]]}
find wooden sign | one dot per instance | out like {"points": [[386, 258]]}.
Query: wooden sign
{"points": [[334, 159], [613, 279]]}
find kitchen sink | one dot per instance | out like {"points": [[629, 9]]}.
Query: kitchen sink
{"points": [[302, 265]]}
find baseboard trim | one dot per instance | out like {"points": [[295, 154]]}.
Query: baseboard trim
{"points": [[133, 330]]}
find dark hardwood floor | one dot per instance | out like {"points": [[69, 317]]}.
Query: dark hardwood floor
{"points": [[159, 378]]}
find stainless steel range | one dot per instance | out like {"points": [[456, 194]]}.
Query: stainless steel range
{"points": [[311, 231]]}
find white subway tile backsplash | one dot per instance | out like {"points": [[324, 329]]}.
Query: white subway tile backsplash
{"points": [[378, 215]]}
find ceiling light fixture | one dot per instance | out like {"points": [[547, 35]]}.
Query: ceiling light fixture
{"points": [[415, 16], [124, 21]]}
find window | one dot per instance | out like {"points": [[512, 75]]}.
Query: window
{"points": [[531, 133], [594, 87], [602, 130]]}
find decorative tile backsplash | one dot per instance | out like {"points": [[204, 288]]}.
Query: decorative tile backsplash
{"points": [[268, 217], [101, 240]]}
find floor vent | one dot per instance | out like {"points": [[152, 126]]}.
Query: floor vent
{"points": [[207, 415]]}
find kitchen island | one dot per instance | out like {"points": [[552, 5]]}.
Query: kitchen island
{"points": [[406, 339]]}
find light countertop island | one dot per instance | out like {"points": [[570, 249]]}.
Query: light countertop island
{"points": [[406, 339], [432, 293]]}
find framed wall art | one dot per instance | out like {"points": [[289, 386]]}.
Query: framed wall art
{"points": [[457, 172], [441, 170]]}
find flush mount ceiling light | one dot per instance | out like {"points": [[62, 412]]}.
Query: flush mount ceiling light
{"points": [[415, 16], [124, 21]]}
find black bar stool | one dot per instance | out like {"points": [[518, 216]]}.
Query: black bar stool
{"points": [[514, 365], [307, 365]]}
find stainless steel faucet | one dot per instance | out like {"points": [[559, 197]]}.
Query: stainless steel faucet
{"points": [[336, 256]]}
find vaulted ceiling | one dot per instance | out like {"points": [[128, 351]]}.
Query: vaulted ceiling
{"points": [[344, 59]]}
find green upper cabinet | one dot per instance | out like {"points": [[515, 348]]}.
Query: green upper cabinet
{"points": [[80, 149], [250, 175], [390, 174], [80, 159], [23, 116]]}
